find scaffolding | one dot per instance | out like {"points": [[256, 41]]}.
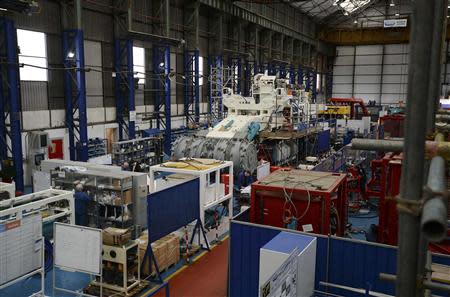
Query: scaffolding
{"points": [[10, 139], [191, 87], [161, 71], [216, 84], [75, 94], [235, 66], [251, 68], [124, 88]]}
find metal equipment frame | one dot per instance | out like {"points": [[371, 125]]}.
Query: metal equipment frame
{"points": [[251, 69], [192, 86], [124, 88], [29, 205], [235, 64], [267, 202], [216, 83], [161, 70], [203, 176], [10, 100], [75, 93]]}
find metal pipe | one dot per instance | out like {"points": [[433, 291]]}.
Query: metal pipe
{"points": [[412, 177], [443, 111], [427, 284], [443, 117], [78, 10], [433, 148], [440, 13], [434, 214], [377, 145], [167, 18]]}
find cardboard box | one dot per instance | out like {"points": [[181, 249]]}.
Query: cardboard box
{"points": [[166, 251], [127, 197], [116, 236]]}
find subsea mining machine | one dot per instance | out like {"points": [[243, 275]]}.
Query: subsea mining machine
{"points": [[271, 124]]}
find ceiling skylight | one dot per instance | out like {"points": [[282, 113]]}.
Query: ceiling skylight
{"points": [[350, 6]]}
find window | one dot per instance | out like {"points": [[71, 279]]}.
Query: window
{"points": [[318, 83], [33, 52], [139, 64], [200, 70]]}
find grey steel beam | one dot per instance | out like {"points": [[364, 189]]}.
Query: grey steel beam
{"points": [[253, 17], [409, 254], [440, 13]]}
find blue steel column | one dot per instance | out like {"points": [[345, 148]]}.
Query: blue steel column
{"points": [[300, 76], [124, 87], [168, 131], [292, 74], [271, 69], [3, 103], [14, 97], [314, 85], [282, 70], [161, 69], [192, 86], [73, 44], [3, 99], [11, 101], [308, 81]]}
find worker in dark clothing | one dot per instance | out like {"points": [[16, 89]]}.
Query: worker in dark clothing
{"points": [[82, 200], [245, 179]]}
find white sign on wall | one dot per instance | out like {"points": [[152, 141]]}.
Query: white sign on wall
{"points": [[398, 23]]}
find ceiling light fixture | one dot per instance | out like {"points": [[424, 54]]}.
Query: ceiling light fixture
{"points": [[392, 4], [355, 21], [397, 14]]}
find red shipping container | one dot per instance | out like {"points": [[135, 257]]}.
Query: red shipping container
{"points": [[308, 201]]}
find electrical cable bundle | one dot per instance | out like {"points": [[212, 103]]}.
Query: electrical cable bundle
{"points": [[288, 200]]}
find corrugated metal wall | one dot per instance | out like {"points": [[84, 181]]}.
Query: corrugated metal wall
{"points": [[372, 72], [94, 81], [339, 261], [34, 95]]}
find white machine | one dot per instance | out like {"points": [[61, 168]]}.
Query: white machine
{"points": [[52, 204], [273, 105]]}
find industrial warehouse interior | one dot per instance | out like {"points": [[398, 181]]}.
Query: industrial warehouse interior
{"points": [[212, 148]]}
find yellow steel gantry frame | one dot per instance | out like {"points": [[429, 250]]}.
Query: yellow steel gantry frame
{"points": [[364, 36]]}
